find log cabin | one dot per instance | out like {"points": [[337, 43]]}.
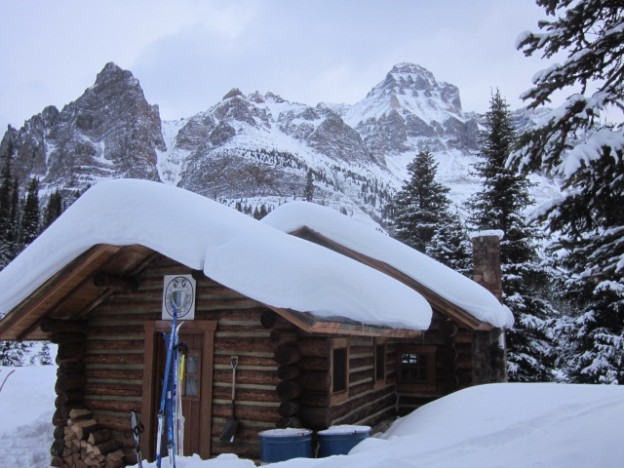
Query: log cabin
{"points": [[324, 333]]}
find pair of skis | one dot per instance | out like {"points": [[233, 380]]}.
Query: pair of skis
{"points": [[170, 409]]}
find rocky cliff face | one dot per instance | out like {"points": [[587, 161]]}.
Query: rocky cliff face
{"points": [[410, 110], [254, 149], [109, 132]]}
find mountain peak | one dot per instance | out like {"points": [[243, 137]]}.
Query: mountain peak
{"points": [[112, 73]]}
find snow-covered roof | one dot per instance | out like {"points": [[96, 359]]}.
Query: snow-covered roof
{"points": [[235, 250], [447, 283]]}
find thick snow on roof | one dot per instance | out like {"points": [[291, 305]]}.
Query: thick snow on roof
{"points": [[231, 248], [449, 284]]}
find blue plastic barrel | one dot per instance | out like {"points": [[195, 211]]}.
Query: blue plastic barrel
{"points": [[284, 444], [339, 440]]}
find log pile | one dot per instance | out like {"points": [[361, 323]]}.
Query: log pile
{"points": [[87, 444]]}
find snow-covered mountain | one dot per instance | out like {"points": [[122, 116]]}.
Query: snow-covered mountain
{"points": [[257, 149]]}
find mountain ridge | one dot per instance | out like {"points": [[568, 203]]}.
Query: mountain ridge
{"points": [[256, 149]]}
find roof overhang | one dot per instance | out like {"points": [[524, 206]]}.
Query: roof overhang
{"points": [[72, 294], [443, 305]]}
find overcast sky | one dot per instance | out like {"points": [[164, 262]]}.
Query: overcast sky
{"points": [[188, 53]]}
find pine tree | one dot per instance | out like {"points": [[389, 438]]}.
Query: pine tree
{"points": [[53, 209], [30, 216], [421, 205], [587, 156], [308, 191], [451, 246], [8, 210], [499, 205]]}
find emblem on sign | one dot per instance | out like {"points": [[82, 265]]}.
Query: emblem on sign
{"points": [[179, 295]]}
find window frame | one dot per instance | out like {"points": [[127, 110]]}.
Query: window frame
{"points": [[429, 385], [378, 380], [339, 343]]}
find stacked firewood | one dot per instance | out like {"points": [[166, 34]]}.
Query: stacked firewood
{"points": [[88, 444]]}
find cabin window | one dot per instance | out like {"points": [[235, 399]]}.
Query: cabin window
{"points": [[340, 367], [416, 368], [380, 362]]}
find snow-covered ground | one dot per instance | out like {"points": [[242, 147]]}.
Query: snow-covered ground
{"points": [[499, 425]]}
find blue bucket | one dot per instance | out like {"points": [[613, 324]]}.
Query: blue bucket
{"points": [[284, 444], [339, 440]]}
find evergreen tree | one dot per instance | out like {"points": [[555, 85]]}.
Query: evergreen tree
{"points": [[308, 191], [451, 245], [12, 353], [421, 205], [8, 210], [499, 205], [30, 216], [587, 156], [53, 209], [43, 356]]}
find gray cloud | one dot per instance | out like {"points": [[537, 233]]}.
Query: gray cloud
{"points": [[188, 54]]}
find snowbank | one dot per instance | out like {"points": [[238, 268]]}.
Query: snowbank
{"points": [[231, 248], [498, 425], [444, 281], [26, 408], [488, 426]]}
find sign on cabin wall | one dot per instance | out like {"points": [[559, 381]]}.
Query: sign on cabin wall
{"points": [[179, 296]]}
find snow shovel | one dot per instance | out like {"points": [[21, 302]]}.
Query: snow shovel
{"points": [[231, 425]]}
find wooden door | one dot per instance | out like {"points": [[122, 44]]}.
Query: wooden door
{"points": [[196, 391]]}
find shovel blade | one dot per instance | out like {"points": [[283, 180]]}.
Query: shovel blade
{"points": [[229, 431]]}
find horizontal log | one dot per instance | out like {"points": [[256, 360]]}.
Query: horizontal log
{"points": [[69, 382], [270, 319], [70, 352], [288, 372], [70, 367], [122, 345], [316, 418], [115, 389], [314, 398], [114, 374], [315, 380], [115, 423], [246, 413], [117, 283], [288, 408], [68, 397], [250, 345], [356, 409], [317, 347], [53, 326], [116, 406], [314, 363], [283, 336], [119, 331], [288, 390], [244, 376], [245, 394], [114, 359], [287, 354]]}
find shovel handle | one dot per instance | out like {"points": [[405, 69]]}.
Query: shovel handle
{"points": [[234, 363]]}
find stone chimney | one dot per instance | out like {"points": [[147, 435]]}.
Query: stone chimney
{"points": [[489, 353], [486, 257]]}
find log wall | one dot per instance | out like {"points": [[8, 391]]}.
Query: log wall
{"points": [[283, 376], [101, 367], [453, 358]]}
